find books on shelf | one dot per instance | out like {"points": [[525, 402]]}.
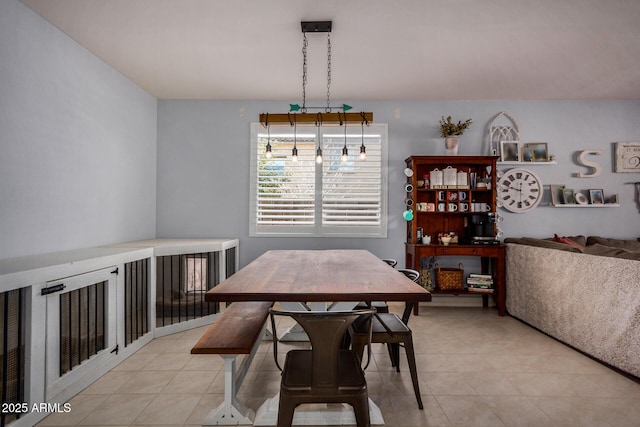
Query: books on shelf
{"points": [[481, 276], [472, 281], [478, 280], [481, 290], [480, 283]]}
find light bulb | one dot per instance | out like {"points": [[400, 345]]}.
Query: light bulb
{"points": [[268, 151], [345, 154], [319, 155], [363, 152], [294, 154]]}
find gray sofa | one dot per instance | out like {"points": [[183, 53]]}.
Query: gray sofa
{"points": [[585, 294]]}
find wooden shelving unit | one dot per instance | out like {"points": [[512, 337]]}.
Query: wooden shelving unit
{"points": [[452, 219]]}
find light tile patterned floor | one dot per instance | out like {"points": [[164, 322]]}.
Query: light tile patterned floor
{"points": [[476, 369]]}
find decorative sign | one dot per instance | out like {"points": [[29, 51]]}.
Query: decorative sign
{"points": [[627, 157], [594, 167]]}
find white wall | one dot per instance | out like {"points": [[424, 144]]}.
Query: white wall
{"points": [[203, 166], [77, 143]]}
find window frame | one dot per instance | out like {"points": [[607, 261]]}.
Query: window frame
{"points": [[318, 229]]}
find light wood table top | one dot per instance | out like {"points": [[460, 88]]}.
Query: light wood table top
{"points": [[318, 275]]}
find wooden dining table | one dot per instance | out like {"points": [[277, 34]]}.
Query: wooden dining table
{"points": [[335, 279], [318, 276]]}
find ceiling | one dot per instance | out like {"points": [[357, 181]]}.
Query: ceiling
{"points": [[381, 49]]}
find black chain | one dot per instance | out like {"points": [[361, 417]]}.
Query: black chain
{"points": [[328, 109], [305, 44]]}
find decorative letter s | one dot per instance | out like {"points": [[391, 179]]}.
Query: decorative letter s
{"points": [[593, 165]]}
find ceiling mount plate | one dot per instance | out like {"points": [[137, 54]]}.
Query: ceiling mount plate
{"points": [[316, 26]]}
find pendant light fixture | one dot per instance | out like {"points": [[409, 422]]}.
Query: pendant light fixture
{"points": [[363, 149], [294, 151], [267, 149], [319, 138], [300, 111], [345, 150]]}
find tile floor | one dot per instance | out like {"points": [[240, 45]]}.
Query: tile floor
{"points": [[476, 369]]}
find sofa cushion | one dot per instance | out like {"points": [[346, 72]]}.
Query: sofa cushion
{"points": [[629, 245], [541, 243], [609, 251]]}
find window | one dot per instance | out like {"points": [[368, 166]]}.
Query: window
{"points": [[334, 198]]}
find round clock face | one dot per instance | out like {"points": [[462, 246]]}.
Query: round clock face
{"points": [[519, 190]]}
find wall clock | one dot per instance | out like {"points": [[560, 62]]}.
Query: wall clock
{"points": [[519, 190], [627, 156]]}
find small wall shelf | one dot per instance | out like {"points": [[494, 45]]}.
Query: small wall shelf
{"points": [[550, 162], [606, 205]]}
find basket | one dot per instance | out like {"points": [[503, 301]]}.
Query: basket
{"points": [[449, 279]]}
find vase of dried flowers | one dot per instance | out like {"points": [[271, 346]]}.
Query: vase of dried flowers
{"points": [[450, 131]]}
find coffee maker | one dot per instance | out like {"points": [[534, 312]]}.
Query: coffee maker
{"points": [[481, 229]]}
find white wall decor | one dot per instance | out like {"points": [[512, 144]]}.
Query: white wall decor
{"points": [[627, 157], [594, 168], [499, 133]]}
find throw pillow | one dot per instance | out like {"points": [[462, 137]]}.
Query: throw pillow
{"points": [[568, 241], [579, 239]]}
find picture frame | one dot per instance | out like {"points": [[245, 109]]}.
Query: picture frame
{"points": [[581, 199], [539, 151], [557, 194], [627, 157], [527, 154], [510, 151], [569, 196], [596, 197]]}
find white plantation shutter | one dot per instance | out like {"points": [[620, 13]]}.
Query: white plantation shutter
{"points": [[352, 190], [303, 198], [286, 189]]}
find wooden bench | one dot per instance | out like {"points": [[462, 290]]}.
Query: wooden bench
{"points": [[236, 332]]}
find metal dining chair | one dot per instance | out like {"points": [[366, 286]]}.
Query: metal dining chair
{"points": [[390, 261], [326, 373], [390, 329], [380, 306]]}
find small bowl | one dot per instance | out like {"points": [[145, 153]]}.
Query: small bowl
{"points": [[445, 240]]}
